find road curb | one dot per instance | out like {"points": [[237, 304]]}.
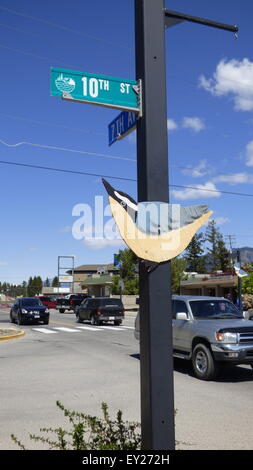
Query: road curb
{"points": [[16, 334]]}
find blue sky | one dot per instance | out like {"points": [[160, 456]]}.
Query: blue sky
{"points": [[210, 123]]}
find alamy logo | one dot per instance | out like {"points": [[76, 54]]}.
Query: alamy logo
{"points": [[65, 84]]}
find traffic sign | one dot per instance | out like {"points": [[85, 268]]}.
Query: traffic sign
{"points": [[95, 89], [121, 126]]}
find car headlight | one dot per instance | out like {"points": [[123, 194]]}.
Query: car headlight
{"points": [[24, 310], [227, 337], [47, 310]]}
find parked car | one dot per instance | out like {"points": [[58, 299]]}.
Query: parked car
{"points": [[26, 309], [100, 309], [69, 302], [48, 301], [209, 332]]}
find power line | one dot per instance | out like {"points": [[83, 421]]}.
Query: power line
{"points": [[62, 170], [63, 28], [46, 123], [102, 155], [65, 149]]}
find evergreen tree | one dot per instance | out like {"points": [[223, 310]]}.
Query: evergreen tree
{"points": [[47, 282], [55, 282], [194, 254], [178, 266], [217, 253]]}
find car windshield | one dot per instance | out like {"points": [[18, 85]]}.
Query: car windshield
{"points": [[211, 309], [31, 302]]}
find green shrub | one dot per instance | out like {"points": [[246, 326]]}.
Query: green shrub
{"points": [[90, 433]]}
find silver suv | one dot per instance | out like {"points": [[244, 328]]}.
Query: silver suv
{"points": [[209, 331]]}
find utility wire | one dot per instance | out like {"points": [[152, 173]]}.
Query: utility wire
{"points": [[82, 152], [65, 149], [63, 28], [62, 170], [46, 123]]}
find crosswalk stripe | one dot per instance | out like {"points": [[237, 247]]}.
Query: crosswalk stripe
{"points": [[68, 330], [79, 328], [114, 328], [91, 328], [44, 330]]}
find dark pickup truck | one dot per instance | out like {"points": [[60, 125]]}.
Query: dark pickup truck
{"points": [[70, 302]]}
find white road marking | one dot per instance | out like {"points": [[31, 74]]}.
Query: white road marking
{"points": [[44, 330], [67, 330], [79, 328], [115, 328], [90, 328]]}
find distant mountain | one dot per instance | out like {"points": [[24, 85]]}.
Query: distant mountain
{"points": [[246, 254]]}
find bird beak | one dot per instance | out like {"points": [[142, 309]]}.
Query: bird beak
{"points": [[108, 187]]}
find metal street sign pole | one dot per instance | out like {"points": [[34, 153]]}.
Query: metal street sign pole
{"points": [[157, 403], [157, 394]]}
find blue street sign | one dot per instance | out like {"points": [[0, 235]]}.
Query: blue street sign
{"points": [[124, 123]]}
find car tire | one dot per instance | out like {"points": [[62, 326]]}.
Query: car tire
{"points": [[61, 310], [117, 322], [78, 319], [20, 320], [203, 363], [46, 322], [11, 318], [94, 321]]}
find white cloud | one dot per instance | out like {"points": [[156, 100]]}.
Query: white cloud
{"points": [[194, 123], [199, 191], [201, 169], [233, 77], [171, 125], [249, 154], [100, 243], [3, 263], [221, 220], [234, 178]]}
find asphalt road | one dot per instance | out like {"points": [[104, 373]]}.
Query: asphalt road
{"points": [[82, 367]]}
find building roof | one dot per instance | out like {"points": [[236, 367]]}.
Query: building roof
{"points": [[103, 280], [94, 268]]}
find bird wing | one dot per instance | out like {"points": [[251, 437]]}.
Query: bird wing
{"points": [[158, 247], [157, 218]]}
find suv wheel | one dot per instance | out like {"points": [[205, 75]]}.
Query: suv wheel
{"points": [[203, 363], [117, 322], [78, 319], [94, 321], [61, 310], [19, 319], [11, 318]]}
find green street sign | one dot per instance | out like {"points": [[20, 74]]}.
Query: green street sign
{"points": [[95, 89]]}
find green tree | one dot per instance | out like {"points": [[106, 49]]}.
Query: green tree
{"points": [[128, 263], [47, 282], [194, 254], [55, 282], [128, 272], [178, 266], [218, 256], [247, 284]]}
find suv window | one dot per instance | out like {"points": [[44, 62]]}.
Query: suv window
{"points": [[91, 303], [178, 306]]}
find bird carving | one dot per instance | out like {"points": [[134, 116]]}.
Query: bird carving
{"points": [[155, 231]]}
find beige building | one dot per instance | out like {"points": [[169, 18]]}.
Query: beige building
{"points": [[215, 284]]}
